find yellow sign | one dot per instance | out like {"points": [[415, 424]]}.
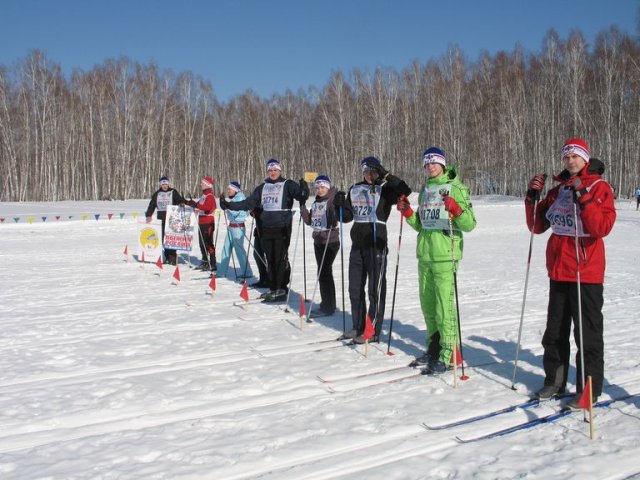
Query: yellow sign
{"points": [[310, 176], [150, 240]]}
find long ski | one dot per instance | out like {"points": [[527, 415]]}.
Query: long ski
{"points": [[494, 413], [552, 417]]}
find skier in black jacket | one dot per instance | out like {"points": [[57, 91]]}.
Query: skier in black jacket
{"points": [[160, 200], [368, 205], [275, 198]]}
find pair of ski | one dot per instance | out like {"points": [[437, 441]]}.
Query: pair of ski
{"points": [[549, 418]]}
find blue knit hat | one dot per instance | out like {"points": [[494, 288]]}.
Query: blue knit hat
{"points": [[368, 160], [274, 164], [323, 181], [434, 155], [235, 186], [164, 180]]}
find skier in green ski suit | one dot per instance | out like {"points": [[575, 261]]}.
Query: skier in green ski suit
{"points": [[444, 208]]}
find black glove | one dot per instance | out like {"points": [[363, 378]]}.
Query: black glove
{"points": [[304, 187], [339, 199], [376, 166], [224, 203]]}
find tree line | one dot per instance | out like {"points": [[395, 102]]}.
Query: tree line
{"points": [[110, 133]]}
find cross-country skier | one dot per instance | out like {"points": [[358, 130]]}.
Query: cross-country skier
{"points": [[275, 197], [368, 205], [444, 198], [575, 245], [234, 240], [206, 206], [160, 200], [326, 241]]}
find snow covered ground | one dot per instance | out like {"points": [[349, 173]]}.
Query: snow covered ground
{"points": [[110, 371]]}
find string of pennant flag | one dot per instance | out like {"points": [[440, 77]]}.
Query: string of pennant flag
{"points": [[82, 216]]}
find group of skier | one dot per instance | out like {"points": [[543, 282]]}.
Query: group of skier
{"points": [[579, 210]]}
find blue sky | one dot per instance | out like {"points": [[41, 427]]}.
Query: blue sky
{"points": [[271, 45]]}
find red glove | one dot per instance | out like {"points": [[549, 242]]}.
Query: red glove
{"points": [[451, 206], [404, 207], [536, 185], [580, 192]]}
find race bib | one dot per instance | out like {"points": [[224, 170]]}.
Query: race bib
{"points": [[561, 215], [363, 201], [163, 200], [319, 216], [433, 215], [272, 194]]}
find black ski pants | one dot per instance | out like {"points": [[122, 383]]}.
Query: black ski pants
{"points": [[275, 243], [563, 308], [258, 256], [367, 266], [170, 255], [325, 274], [207, 250]]}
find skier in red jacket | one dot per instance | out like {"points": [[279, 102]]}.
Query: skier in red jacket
{"points": [[580, 211], [206, 206]]}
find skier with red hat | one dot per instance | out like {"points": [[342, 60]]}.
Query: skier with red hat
{"points": [[206, 207], [579, 211]]}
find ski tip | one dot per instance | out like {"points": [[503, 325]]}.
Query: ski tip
{"points": [[391, 354], [464, 378]]}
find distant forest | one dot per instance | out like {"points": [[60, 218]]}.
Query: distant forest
{"points": [[111, 132]]}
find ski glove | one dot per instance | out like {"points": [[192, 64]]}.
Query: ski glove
{"points": [[451, 206], [339, 199], [536, 185], [224, 203], [404, 207], [304, 187], [580, 192]]}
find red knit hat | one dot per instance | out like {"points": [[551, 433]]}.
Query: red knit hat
{"points": [[206, 182], [576, 146]]}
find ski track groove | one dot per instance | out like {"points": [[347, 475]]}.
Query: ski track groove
{"points": [[172, 364], [28, 437], [327, 454]]}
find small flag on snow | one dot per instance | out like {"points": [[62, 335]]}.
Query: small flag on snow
{"points": [[244, 293], [369, 331], [212, 282], [585, 399], [303, 308], [159, 263], [456, 356], [126, 250], [176, 273]]}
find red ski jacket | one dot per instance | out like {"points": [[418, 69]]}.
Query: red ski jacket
{"points": [[207, 206], [597, 215]]}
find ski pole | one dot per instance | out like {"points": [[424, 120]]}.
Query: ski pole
{"points": [[295, 249], [224, 248], [251, 244], [246, 265], [344, 313], [578, 285], [455, 289], [315, 286], [304, 260], [215, 242], [395, 284], [374, 251], [524, 295]]}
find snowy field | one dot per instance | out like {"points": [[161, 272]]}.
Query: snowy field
{"points": [[110, 371]]}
